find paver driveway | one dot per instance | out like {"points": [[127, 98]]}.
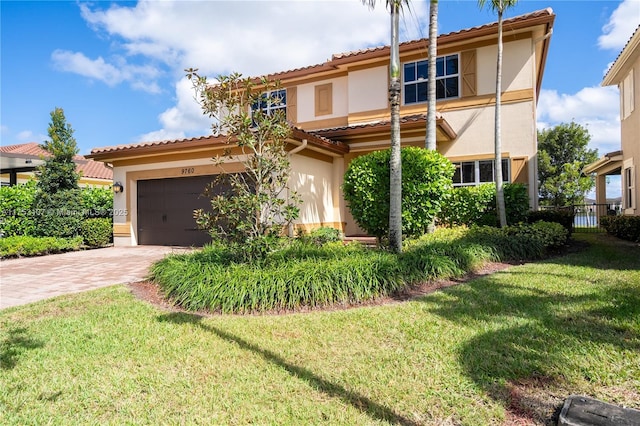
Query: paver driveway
{"points": [[30, 279]]}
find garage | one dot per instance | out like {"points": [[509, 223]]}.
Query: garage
{"points": [[165, 211]]}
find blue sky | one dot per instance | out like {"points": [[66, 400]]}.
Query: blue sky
{"points": [[116, 68]]}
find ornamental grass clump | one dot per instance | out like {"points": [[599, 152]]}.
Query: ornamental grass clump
{"points": [[304, 274]]}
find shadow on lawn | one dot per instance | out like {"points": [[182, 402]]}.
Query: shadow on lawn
{"points": [[539, 336], [367, 406], [14, 344]]}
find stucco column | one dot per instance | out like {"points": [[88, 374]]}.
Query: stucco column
{"points": [[601, 189]]}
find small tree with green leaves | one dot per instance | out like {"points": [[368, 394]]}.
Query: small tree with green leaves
{"points": [[257, 205], [57, 203], [562, 154]]}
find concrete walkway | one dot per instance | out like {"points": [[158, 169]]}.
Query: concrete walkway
{"points": [[31, 279]]}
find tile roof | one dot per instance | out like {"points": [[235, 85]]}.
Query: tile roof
{"points": [[88, 167], [215, 140], [626, 45], [332, 64]]}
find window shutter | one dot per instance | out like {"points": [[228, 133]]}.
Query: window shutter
{"points": [[292, 102], [324, 99], [469, 73], [519, 170]]}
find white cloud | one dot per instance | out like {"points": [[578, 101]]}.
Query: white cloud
{"points": [[218, 37], [29, 136], [621, 25], [596, 108], [112, 75], [4, 129], [182, 120], [254, 37]]}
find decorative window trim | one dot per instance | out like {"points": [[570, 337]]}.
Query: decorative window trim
{"points": [[627, 100], [474, 173], [444, 76], [629, 186], [324, 99]]}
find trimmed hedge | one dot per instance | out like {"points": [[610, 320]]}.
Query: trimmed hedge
{"points": [[22, 245], [564, 217], [310, 275], [16, 209], [97, 232], [476, 205], [623, 227]]}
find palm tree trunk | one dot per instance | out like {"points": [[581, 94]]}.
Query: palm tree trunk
{"points": [[395, 178], [430, 142], [498, 141]]}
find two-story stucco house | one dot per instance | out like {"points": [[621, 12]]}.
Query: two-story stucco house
{"points": [[340, 110], [624, 73]]}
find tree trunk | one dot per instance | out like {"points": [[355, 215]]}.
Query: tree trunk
{"points": [[395, 178], [498, 141], [430, 142]]}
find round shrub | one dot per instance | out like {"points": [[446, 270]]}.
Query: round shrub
{"points": [[426, 179], [97, 232]]}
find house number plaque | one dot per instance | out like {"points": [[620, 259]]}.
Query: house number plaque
{"points": [[188, 170]]}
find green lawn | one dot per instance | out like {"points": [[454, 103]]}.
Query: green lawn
{"points": [[511, 344]]}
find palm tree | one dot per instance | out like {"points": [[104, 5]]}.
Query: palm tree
{"points": [[430, 138], [499, 6], [395, 164]]}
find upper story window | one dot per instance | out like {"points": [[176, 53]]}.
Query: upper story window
{"points": [[469, 173], [415, 75], [270, 102]]}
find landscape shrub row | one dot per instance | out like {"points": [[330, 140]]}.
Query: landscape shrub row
{"points": [[624, 227], [22, 245], [60, 214], [476, 205], [305, 274]]}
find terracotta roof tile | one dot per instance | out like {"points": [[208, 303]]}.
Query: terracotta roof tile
{"points": [[506, 23], [299, 133], [88, 167]]}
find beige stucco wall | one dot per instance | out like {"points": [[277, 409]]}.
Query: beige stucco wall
{"points": [[315, 183], [630, 136], [368, 89], [306, 100], [517, 67]]}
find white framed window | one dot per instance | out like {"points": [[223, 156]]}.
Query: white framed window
{"points": [[416, 74], [629, 185], [270, 102], [471, 173]]}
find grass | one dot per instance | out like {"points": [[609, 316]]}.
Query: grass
{"points": [[472, 354]]}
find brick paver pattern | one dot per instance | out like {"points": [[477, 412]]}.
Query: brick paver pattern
{"points": [[31, 279]]}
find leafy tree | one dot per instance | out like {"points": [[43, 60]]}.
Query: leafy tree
{"points": [[57, 199], [499, 6], [58, 173], [562, 154], [256, 205], [395, 161], [425, 181]]}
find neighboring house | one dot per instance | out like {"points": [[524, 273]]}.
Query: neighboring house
{"points": [[624, 73], [19, 162], [340, 110]]}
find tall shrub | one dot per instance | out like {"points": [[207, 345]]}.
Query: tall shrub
{"points": [[57, 204], [426, 179]]}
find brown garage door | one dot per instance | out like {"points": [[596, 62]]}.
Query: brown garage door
{"points": [[165, 211]]}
